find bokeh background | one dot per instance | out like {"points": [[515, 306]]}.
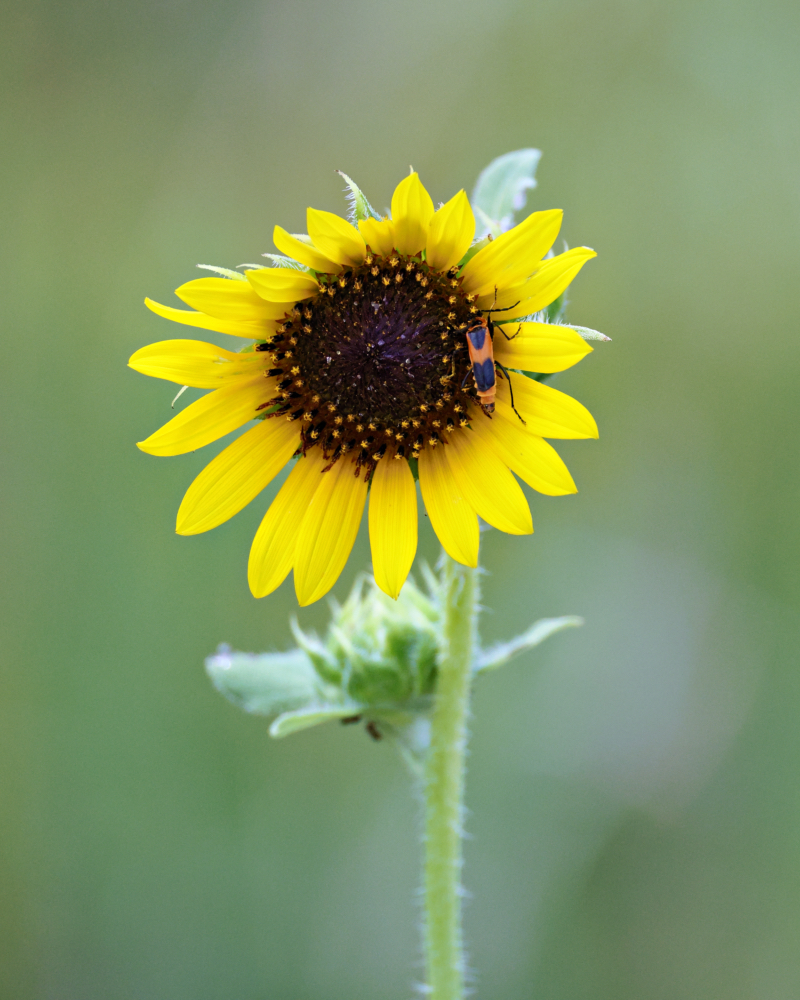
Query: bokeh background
{"points": [[635, 785]]}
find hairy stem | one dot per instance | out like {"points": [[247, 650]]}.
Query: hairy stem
{"points": [[444, 788]]}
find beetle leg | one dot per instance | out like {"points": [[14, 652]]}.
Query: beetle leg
{"points": [[511, 390], [519, 328], [504, 309], [466, 377]]}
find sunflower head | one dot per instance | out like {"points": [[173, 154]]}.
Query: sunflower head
{"points": [[380, 349]]}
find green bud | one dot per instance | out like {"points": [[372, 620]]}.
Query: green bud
{"points": [[383, 651]]}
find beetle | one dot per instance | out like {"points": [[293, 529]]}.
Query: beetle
{"points": [[480, 337]]}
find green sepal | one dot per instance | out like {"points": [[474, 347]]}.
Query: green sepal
{"points": [[224, 271], [280, 260], [588, 334], [479, 244], [499, 655], [357, 205], [321, 659], [501, 189]]}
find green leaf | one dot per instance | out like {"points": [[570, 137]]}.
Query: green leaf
{"points": [[264, 683], [486, 225], [305, 718], [497, 656], [358, 206], [502, 187]]}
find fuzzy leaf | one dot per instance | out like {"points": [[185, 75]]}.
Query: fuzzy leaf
{"points": [[358, 206], [497, 656], [305, 718], [264, 683], [502, 186]]}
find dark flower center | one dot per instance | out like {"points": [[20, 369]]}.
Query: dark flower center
{"points": [[373, 365]]}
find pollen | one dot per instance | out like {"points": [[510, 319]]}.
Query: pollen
{"points": [[376, 359]]}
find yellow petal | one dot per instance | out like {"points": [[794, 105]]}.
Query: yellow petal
{"points": [[195, 363], [412, 211], [486, 482], [379, 235], [225, 299], [260, 330], [237, 475], [550, 280], [452, 518], [303, 253], [392, 523], [535, 461], [211, 417], [547, 412], [328, 532], [282, 284], [272, 552], [335, 237], [451, 233], [514, 255], [539, 347]]}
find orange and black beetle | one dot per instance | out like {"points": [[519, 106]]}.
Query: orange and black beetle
{"points": [[480, 336]]}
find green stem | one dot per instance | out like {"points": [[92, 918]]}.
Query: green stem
{"points": [[444, 788]]}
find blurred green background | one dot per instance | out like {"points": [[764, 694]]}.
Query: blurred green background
{"points": [[634, 793]]}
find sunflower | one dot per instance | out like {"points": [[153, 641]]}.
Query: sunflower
{"points": [[359, 366]]}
